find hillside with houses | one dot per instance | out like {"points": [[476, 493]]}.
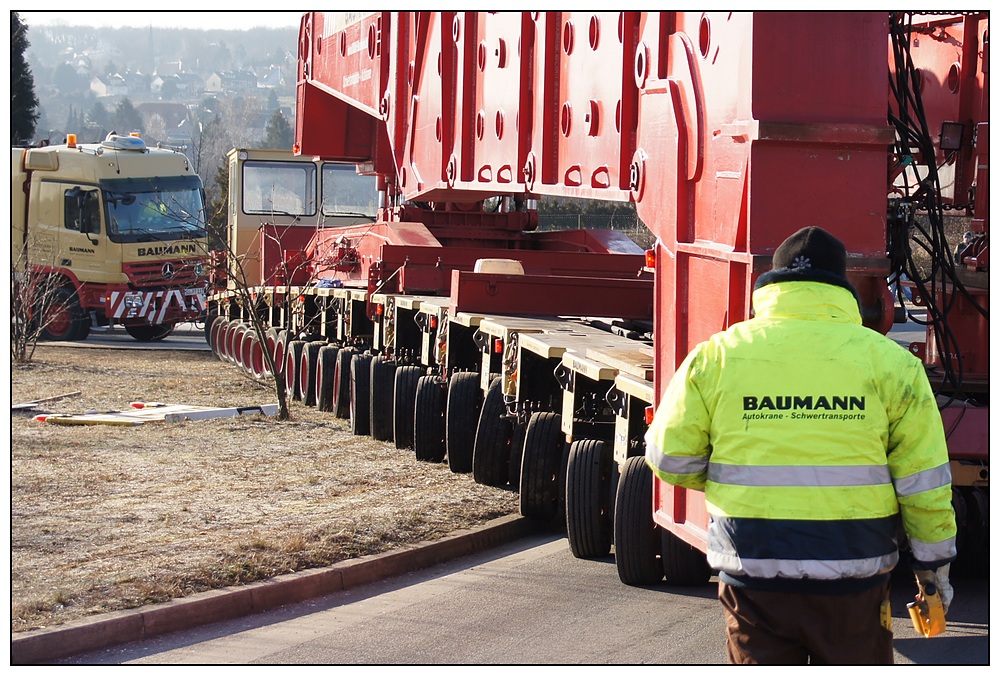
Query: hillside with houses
{"points": [[89, 81]]}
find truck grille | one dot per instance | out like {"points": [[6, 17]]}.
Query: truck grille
{"points": [[180, 272]]}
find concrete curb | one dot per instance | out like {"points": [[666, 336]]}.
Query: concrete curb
{"points": [[43, 646]]}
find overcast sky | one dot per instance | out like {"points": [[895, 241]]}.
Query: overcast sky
{"points": [[228, 20]]}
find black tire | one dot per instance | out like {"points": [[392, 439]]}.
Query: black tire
{"points": [[461, 417], [342, 383], [683, 565], [360, 398], [589, 516], [149, 333], [540, 469], [491, 448], [428, 419], [383, 381], [325, 367], [63, 318], [307, 371], [293, 357], [637, 542], [404, 404]]}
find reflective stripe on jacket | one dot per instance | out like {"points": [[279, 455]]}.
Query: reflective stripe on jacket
{"points": [[810, 435]]}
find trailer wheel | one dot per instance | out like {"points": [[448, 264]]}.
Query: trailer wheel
{"points": [[589, 520], [342, 383], [210, 317], [325, 367], [293, 357], [637, 544], [683, 565], [149, 333], [280, 353], [257, 364], [461, 416], [428, 419], [214, 335], [540, 468], [229, 339], [383, 380], [361, 367], [404, 404], [491, 448], [245, 340], [271, 340], [307, 371]]}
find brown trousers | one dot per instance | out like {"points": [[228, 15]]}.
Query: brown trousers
{"points": [[765, 627]]}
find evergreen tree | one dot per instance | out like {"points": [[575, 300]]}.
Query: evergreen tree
{"points": [[23, 102], [126, 119], [279, 133]]}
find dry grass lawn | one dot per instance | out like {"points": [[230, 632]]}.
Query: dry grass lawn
{"points": [[111, 517]]}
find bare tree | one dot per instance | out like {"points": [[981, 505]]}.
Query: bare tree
{"points": [[38, 303]]}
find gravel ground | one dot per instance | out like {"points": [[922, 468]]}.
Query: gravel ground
{"points": [[111, 517]]}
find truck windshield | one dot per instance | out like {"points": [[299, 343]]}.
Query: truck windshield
{"points": [[347, 193], [154, 210]]}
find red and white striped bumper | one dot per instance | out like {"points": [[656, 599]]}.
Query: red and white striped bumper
{"points": [[156, 307]]}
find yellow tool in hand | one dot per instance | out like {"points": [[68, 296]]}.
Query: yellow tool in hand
{"points": [[927, 611]]}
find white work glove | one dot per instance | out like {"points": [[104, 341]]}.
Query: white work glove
{"points": [[938, 578]]}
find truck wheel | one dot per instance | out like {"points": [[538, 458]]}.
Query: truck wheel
{"points": [[491, 448], [63, 317], [342, 383], [383, 380], [325, 367], [361, 367], [637, 544], [683, 565], [461, 416], [540, 468], [148, 333], [588, 498], [307, 371], [293, 357], [428, 419], [404, 404]]}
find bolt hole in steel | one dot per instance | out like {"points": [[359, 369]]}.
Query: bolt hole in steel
{"points": [[704, 36], [568, 37], [566, 119]]}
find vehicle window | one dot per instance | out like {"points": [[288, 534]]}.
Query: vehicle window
{"points": [[283, 188], [346, 193]]}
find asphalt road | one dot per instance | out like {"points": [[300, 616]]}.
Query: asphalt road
{"points": [[184, 337], [528, 602]]}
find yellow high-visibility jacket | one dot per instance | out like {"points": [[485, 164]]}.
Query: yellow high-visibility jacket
{"points": [[811, 436]]}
